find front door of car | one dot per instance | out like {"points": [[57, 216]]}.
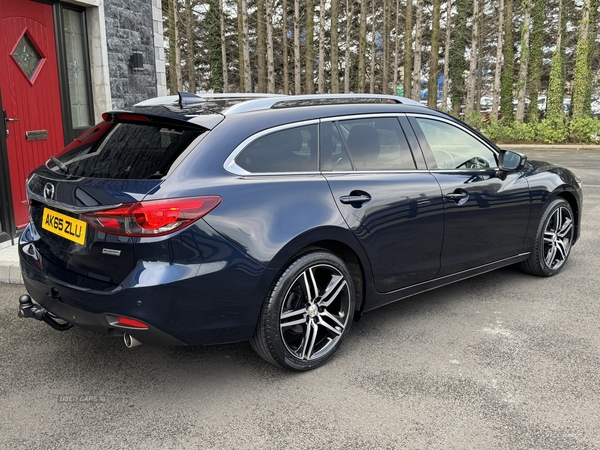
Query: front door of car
{"points": [[486, 212], [394, 210]]}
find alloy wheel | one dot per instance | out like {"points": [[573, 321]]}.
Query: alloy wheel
{"points": [[315, 312]]}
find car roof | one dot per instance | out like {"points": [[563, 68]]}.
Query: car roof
{"points": [[209, 110]]}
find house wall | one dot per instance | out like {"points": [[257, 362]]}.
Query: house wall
{"points": [[129, 28]]}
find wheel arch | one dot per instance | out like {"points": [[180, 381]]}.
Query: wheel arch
{"points": [[572, 200], [342, 243]]}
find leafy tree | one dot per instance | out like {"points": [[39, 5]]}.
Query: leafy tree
{"points": [[457, 56]]}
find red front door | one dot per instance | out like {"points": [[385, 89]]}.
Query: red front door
{"points": [[30, 92]]}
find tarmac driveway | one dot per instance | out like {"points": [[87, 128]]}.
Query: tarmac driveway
{"points": [[501, 361]]}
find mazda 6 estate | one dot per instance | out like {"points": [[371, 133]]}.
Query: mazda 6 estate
{"points": [[192, 220]]}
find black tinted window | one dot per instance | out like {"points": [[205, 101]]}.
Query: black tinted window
{"points": [[291, 150], [127, 151], [376, 144]]}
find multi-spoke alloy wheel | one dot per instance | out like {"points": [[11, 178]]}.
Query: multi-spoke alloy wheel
{"points": [[557, 237], [307, 314], [553, 241]]}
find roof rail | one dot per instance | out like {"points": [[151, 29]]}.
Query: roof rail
{"points": [[187, 100], [317, 99]]}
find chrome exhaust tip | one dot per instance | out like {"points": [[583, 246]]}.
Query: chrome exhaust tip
{"points": [[130, 341]]}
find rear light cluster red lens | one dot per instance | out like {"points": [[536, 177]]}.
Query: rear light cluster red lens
{"points": [[154, 217]]}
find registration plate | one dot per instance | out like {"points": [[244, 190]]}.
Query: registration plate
{"points": [[64, 226]]}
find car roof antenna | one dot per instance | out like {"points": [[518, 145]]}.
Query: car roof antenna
{"points": [[188, 100]]}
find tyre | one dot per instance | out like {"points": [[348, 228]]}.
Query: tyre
{"points": [[307, 314], [553, 240]]}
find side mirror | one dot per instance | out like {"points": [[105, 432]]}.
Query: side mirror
{"points": [[509, 160]]}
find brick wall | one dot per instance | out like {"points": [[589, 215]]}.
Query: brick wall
{"points": [[129, 28]]}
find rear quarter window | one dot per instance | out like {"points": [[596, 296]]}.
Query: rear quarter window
{"points": [[127, 151], [290, 150]]}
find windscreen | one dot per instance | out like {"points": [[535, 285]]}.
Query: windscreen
{"points": [[125, 151]]}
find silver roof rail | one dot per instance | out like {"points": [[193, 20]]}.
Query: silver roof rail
{"points": [[267, 103], [195, 99]]}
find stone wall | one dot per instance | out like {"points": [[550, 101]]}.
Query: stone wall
{"points": [[129, 28]]}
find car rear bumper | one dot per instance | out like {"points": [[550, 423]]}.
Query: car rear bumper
{"points": [[182, 304]]}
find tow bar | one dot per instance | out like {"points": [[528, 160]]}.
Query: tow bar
{"points": [[28, 309]]}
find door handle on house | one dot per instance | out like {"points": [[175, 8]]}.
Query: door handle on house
{"points": [[6, 120]]}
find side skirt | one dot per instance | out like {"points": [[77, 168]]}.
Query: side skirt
{"points": [[390, 297]]}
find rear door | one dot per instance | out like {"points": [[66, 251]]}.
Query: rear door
{"points": [[394, 210]]}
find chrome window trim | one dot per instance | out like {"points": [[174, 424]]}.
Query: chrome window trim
{"points": [[231, 166], [364, 172]]}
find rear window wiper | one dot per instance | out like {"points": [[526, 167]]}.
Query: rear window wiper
{"points": [[59, 164]]}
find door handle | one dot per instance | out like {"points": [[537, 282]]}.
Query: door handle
{"points": [[6, 120], [457, 195], [460, 197], [355, 200]]}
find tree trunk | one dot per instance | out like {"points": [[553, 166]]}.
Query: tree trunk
{"points": [[261, 47], [408, 56], [223, 48], [284, 49], [524, 63], [535, 59], [213, 43], [554, 102], [581, 75], [362, 47], [177, 50], [347, 62], [496, 88], [457, 56], [241, 64], [396, 46], [189, 48], [470, 102], [297, 70], [321, 76], [385, 64], [175, 79], [447, 55], [508, 68], [172, 45], [246, 45], [270, 56], [479, 88], [309, 82], [335, 73], [418, 50], [592, 33], [372, 68], [434, 56]]}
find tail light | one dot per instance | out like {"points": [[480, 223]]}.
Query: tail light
{"points": [[154, 217]]}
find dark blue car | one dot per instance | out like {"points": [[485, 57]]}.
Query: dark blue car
{"points": [[278, 220]]}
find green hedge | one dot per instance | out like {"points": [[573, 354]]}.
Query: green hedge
{"points": [[583, 130]]}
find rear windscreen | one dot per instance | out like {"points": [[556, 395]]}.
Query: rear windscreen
{"points": [[125, 151]]}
